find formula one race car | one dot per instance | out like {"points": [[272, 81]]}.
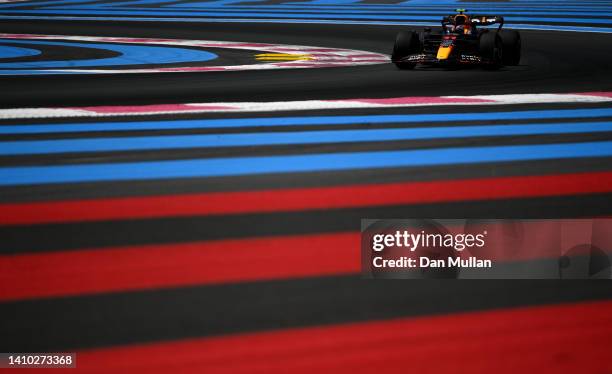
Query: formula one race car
{"points": [[460, 42]]}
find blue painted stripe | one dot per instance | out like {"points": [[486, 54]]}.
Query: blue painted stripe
{"points": [[42, 3], [221, 167], [217, 3], [287, 138], [7, 51], [192, 13], [323, 9], [327, 4], [234, 4], [156, 3], [130, 55], [431, 14], [299, 21], [13, 72], [316, 4], [303, 121], [228, 4]]}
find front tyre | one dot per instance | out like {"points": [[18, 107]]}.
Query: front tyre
{"points": [[511, 40], [406, 43], [491, 50]]}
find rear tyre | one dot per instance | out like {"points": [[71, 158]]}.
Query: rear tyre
{"points": [[491, 50], [511, 40], [406, 43]]}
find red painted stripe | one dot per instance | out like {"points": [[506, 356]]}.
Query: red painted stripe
{"points": [[556, 339], [88, 271], [305, 198], [599, 94], [153, 266]]}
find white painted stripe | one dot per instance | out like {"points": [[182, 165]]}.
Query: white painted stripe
{"points": [[275, 106]]}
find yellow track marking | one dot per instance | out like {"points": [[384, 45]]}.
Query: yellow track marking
{"points": [[282, 57]]}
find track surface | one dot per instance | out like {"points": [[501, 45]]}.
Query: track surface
{"points": [[228, 242], [546, 65]]}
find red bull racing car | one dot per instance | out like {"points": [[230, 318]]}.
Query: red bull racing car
{"points": [[461, 41]]}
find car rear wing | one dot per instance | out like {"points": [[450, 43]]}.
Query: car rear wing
{"points": [[488, 20], [477, 20]]}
